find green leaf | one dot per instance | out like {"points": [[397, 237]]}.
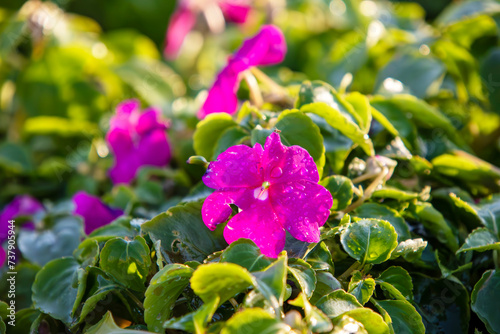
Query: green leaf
{"points": [[480, 240], [317, 320], [435, 223], [372, 322], [320, 258], [163, 290], [296, 129], [485, 300], [421, 74], [245, 253], [42, 246], [254, 321], [107, 325], [87, 253], [339, 121], [208, 132], [220, 281], [405, 318], [326, 283], [55, 289], [271, 282], [303, 273], [184, 236], [337, 303], [394, 193], [15, 158], [347, 324], [379, 211], [361, 287], [369, 240], [443, 304], [362, 107], [128, 261], [467, 169], [341, 189], [410, 250], [230, 136], [397, 282]]}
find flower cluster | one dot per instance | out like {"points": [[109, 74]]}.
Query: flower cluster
{"points": [[137, 139], [268, 47], [184, 19], [276, 190]]}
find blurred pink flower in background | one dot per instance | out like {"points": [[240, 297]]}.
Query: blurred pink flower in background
{"points": [[186, 15], [94, 212], [137, 138], [276, 190], [268, 47], [21, 205]]}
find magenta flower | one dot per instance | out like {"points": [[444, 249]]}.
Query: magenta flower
{"points": [[137, 139], [276, 190], [94, 212], [184, 19], [21, 205], [268, 47]]}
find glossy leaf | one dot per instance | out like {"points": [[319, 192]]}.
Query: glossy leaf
{"points": [[361, 287], [163, 290], [405, 319], [341, 189], [208, 132], [337, 303], [480, 240], [245, 253], [485, 298], [183, 235], [303, 273], [369, 240], [128, 261]]}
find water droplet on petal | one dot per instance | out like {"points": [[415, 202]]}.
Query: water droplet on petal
{"points": [[276, 172]]}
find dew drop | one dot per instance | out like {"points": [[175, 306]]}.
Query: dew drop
{"points": [[276, 172]]}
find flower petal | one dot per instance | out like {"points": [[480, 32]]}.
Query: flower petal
{"points": [[21, 205], [216, 207], [260, 225], [268, 47], [302, 207], [3, 256], [93, 211], [238, 166], [148, 120], [235, 12], [285, 164], [222, 96], [181, 23], [154, 149]]}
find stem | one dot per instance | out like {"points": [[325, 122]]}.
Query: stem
{"points": [[349, 271], [369, 191], [214, 18], [261, 76], [253, 86]]}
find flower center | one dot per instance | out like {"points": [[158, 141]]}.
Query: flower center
{"points": [[262, 193]]}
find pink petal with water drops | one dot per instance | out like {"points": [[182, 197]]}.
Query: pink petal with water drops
{"points": [[260, 225], [216, 207], [181, 23], [286, 164], [239, 166], [302, 206]]}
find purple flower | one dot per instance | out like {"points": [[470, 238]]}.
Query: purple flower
{"points": [[268, 47], [276, 190], [21, 205], [137, 139], [184, 19], [93, 211]]}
